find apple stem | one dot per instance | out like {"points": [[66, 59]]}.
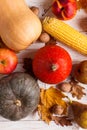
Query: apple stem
{"points": [[54, 67], [46, 10]]}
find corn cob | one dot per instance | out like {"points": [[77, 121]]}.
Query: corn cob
{"points": [[66, 34]]}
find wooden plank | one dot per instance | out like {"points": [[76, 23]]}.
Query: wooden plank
{"points": [[34, 125]]}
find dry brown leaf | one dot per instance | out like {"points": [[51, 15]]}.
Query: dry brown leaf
{"points": [[72, 87], [77, 91], [49, 98], [63, 121], [82, 4]]}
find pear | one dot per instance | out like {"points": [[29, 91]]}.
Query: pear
{"points": [[80, 72], [80, 113]]}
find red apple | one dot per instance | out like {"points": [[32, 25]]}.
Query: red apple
{"points": [[8, 61], [64, 9]]}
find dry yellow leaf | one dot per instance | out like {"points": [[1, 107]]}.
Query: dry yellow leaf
{"points": [[49, 98], [44, 113]]}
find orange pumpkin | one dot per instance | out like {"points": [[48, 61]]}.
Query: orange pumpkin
{"points": [[52, 64]]}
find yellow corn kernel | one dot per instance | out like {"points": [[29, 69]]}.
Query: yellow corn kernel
{"points": [[66, 34]]}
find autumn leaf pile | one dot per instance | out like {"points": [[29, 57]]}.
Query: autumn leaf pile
{"points": [[49, 98], [54, 107]]}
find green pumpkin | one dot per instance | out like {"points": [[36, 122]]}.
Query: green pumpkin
{"points": [[19, 95]]}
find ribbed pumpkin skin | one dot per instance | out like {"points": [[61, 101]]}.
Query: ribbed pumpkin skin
{"points": [[18, 86], [52, 55]]}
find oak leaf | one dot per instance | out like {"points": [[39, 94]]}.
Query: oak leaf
{"points": [[77, 91]]}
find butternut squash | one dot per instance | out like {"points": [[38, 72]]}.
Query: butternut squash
{"points": [[19, 26]]}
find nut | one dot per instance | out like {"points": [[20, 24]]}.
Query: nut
{"points": [[65, 87], [35, 10], [44, 37], [57, 109]]}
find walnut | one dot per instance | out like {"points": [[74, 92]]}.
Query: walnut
{"points": [[57, 109]]}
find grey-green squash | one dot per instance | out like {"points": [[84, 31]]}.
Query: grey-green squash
{"points": [[19, 95]]}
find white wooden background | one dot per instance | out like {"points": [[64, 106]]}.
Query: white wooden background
{"points": [[33, 122]]}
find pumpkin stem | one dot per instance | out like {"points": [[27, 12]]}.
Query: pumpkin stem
{"points": [[54, 67], [18, 103]]}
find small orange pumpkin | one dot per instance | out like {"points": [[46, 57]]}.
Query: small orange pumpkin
{"points": [[52, 64]]}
